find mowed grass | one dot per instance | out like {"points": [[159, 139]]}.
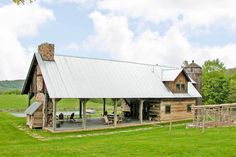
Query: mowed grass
{"points": [[158, 141]]}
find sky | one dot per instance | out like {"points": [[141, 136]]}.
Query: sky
{"points": [[164, 32]]}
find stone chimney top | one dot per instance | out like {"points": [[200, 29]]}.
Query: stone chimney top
{"points": [[47, 51]]}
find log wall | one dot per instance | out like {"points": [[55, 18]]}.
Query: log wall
{"points": [[178, 109], [37, 118]]}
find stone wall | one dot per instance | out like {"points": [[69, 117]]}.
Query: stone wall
{"points": [[178, 109], [42, 96]]}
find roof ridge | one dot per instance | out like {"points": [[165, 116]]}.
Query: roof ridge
{"points": [[113, 60], [174, 68]]}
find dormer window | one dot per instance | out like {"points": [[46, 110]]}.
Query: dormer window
{"points": [[180, 87], [176, 80]]}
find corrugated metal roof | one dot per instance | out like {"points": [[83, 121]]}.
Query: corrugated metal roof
{"points": [[32, 108], [74, 77]]}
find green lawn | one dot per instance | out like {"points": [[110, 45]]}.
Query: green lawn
{"points": [[154, 141]]}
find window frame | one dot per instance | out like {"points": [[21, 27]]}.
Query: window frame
{"points": [[189, 107], [176, 86], [169, 110], [182, 85]]}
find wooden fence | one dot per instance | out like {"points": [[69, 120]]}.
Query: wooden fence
{"points": [[214, 115]]}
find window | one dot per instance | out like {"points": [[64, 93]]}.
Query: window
{"points": [[189, 108], [177, 86], [180, 87], [167, 109]]}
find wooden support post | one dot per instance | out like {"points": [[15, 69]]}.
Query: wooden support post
{"points": [[80, 108], [194, 116], [29, 100], [198, 118], [115, 112], [84, 114], [45, 110], [215, 116], [170, 127], [141, 111], [54, 114], [104, 106], [203, 121]]}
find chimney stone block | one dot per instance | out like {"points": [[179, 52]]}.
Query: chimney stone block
{"points": [[47, 51]]}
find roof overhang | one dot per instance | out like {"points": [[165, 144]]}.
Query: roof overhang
{"points": [[26, 86]]}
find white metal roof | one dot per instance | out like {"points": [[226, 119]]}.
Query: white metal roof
{"points": [[32, 108], [74, 77], [172, 74]]}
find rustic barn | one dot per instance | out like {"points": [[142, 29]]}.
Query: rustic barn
{"points": [[34, 115], [152, 93]]}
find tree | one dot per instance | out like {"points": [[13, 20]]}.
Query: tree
{"points": [[232, 76], [215, 83], [213, 66], [21, 1]]}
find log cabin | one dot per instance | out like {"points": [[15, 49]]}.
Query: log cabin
{"points": [[153, 93]]}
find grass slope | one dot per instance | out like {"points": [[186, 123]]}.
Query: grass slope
{"points": [[181, 142]]}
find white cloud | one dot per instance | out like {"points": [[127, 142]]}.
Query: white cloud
{"points": [[85, 4], [73, 47], [201, 13], [18, 21], [113, 35]]}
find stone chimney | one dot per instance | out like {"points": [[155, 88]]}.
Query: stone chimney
{"points": [[47, 51]]}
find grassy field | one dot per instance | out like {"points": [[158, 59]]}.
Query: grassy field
{"points": [[18, 103], [13, 102], [17, 140]]}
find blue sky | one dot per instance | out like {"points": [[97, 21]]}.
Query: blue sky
{"points": [[150, 31]]}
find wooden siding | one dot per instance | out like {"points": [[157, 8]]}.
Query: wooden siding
{"points": [[178, 109], [36, 120], [182, 79]]}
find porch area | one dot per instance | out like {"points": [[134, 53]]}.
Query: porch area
{"points": [[95, 124], [132, 113]]}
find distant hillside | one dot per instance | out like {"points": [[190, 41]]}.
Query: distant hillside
{"points": [[6, 86]]}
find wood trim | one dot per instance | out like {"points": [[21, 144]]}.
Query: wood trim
{"points": [[54, 114]]}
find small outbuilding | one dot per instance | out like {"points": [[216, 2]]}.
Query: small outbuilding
{"points": [[34, 114]]}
